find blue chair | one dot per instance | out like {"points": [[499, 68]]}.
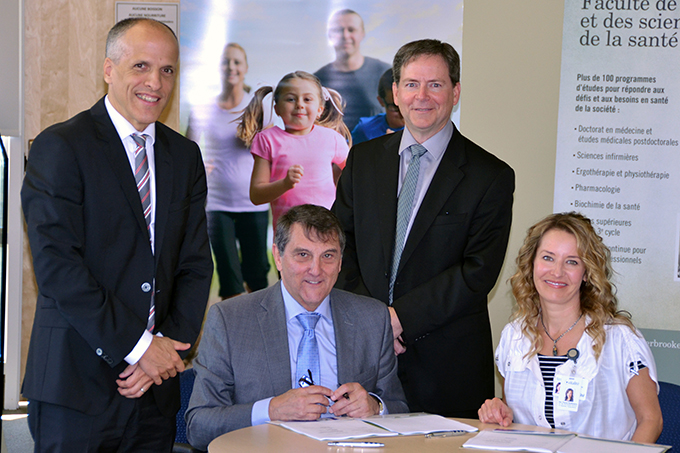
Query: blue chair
{"points": [[669, 399], [186, 386]]}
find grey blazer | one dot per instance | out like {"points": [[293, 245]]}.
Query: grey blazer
{"points": [[243, 357]]}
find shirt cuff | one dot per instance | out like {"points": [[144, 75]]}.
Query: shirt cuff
{"points": [[260, 413], [384, 410], [140, 348]]}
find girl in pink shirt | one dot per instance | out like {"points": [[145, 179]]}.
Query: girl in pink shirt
{"points": [[302, 163]]}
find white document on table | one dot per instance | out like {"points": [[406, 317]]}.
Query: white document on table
{"points": [[551, 442], [418, 423], [335, 429], [582, 444], [343, 428], [513, 441]]}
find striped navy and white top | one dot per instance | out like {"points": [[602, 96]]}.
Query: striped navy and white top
{"points": [[548, 363]]}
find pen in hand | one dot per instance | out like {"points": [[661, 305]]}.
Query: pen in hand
{"points": [[344, 395], [304, 381]]}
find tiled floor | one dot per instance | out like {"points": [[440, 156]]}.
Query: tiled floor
{"points": [[15, 431]]}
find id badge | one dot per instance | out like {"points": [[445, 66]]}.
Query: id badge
{"points": [[567, 392]]}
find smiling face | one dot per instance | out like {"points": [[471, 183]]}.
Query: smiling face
{"points": [[425, 95], [298, 103], [309, 267], [234, 66], [346, 31], [141, 80], [558, 269]]}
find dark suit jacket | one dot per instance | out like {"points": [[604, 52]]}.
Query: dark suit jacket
{"points": [[243, 358], [451, 260], [93, 260]]}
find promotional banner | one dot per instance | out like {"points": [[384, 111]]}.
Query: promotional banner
{"points": [[618, 159], [281, 36]]}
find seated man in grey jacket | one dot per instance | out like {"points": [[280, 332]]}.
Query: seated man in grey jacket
{"points": [[298, 350]]}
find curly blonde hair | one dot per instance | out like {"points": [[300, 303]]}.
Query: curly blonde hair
{"points": [[598, 301], [251, 122]]}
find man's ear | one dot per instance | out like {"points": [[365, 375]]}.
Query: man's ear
{"points": [[108, 68], [382, 102], [277, 257]]}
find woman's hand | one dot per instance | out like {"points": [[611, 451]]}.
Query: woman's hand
{"points": [[495, 411]]}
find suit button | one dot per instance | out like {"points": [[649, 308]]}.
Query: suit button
{"points": [[146, 287], [99, 351]]}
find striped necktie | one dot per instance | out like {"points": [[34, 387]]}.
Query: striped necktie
{"points": [[404, 208], [143, 177], [143, 180]]}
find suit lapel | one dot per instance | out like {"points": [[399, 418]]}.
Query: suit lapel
{"points": [[444, 182], [387, 179], [272, 321], [345, 337], [111, 145], [163, 165]]}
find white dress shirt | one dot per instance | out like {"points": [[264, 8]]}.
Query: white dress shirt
{"points": [[429, 162], [125, 130], [328, 362]]}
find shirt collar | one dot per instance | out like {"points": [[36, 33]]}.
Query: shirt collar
{"points": [[435, 145], [586, 365], [293, 307], [123, 126]]}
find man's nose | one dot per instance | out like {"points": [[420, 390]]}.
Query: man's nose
{"points": [[153, 80], [314, 267]]}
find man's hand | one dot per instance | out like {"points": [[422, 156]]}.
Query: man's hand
{"points": [[495, 411], [397, 330], [161, 360], [300, 404], [396, 324], [399, 346], [133, 382], [359, 403]]}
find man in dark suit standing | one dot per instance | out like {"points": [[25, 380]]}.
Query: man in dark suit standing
{"points": [[114, 204], [252, 366], [427, 216]]}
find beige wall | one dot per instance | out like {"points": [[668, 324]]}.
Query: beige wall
{"points": [[64, 49], [510, 79], [510, 86]]}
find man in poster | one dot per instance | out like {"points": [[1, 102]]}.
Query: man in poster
{"points": [[352, 74]]}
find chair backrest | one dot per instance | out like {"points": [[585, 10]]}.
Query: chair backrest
{"points": [[669, 399], [186, 385]]}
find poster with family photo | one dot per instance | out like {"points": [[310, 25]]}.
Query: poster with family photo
{"points": [[278, 37]]}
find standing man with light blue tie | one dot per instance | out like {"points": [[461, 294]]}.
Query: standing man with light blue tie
{"points": [[427, 216], [299, 349], [114, 205]]}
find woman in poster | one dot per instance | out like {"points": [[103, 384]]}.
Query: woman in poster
{"points": [[231, 214]]}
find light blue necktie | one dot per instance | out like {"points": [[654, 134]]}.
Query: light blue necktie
{"points": [[308, 349], [143, 180], [404, 208]]}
